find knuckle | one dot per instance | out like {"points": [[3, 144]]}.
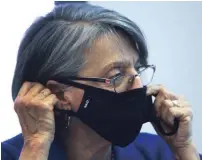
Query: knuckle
{"points": [[39, 105], [164, 103], [188, 119], [20, 104], [173, 96], [36, 103], [160, 85], [170, 111], [161, 88], [189, 112], [52, 99], [47, 107], [33, 102], [44, 105], [21, 101], [39, 85], [16, 108], [46, 91], [53, 96]]}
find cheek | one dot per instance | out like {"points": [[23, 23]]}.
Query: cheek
{"points": [[77, 99]]}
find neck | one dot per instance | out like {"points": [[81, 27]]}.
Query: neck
{"points": [[82, 143]]}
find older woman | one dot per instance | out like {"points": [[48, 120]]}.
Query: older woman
{"points": [[81, 93]]}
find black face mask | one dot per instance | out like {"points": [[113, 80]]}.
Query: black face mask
{"points": [[118, 117]]}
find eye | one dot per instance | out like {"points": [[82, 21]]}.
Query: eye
{"points": [[118, 79], [114, 72], [115, 76]]}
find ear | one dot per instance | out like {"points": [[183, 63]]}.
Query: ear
{"points": [[60, 91]]}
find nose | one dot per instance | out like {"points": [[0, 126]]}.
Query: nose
{"points": [[137, 83]]}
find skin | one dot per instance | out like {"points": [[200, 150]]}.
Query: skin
{"points": [[34, 107]]}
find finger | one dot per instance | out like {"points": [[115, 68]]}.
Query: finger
{"points": [[45, 105], [181, 104], [173, 96], [160, 98], [37, 106], [165, 114], [36, 88], [170, 97], [36, 101], [43, 94], [166, 127], [154, 89], [183, 114], [24, 89], [169, 112], [51, 99]]}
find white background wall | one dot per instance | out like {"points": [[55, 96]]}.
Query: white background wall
{"points": [[174, 34]]}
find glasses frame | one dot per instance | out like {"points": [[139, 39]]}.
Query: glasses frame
{"points": [[110, 81]]}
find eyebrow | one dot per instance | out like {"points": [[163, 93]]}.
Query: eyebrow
{"points": [[116, 64], [123, 64]]}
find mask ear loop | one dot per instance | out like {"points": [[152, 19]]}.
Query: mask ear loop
{"points": [[64, 115], [67, 121], [157, 122], [175, 127]]}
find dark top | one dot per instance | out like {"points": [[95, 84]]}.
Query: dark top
{"points": [[145, 147]]}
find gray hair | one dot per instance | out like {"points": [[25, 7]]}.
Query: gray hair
{"points": [[55, 45]]}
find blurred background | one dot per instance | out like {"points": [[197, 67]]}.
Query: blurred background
{"points": [[174, 35]]}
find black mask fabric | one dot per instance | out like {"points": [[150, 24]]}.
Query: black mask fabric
{"points": [[118, 117]]}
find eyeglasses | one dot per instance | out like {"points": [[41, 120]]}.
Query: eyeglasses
{"points": [[123, 82]]}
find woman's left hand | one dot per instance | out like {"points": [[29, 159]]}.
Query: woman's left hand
{"points": [[169, 106]]}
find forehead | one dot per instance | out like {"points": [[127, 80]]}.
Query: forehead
{"points": [[106, 50]]}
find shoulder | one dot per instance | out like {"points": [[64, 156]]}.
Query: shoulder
{"points": [[11, 148], [153, 145], [150, 139], [146, 146]]}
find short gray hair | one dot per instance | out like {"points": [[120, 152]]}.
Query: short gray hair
{"points": [[55, 45]]}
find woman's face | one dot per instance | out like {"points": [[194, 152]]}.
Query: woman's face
{"points": [[109, 56]]}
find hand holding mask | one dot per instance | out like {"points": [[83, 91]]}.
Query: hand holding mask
{"points": [[118, 117], [172, 111]]}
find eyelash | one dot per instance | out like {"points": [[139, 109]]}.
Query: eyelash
{"points": [[116, 75], [120, 69]]}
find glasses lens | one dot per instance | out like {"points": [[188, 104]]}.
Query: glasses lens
{"points": [[146, 75], [122, 83], [125, 82]]}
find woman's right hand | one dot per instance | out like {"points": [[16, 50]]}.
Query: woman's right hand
{"points": [[34, 107]]}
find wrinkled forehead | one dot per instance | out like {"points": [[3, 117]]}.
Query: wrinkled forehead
{"points": [[108, 49]]}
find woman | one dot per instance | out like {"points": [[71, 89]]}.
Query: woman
{"points": [[80, 92]]}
